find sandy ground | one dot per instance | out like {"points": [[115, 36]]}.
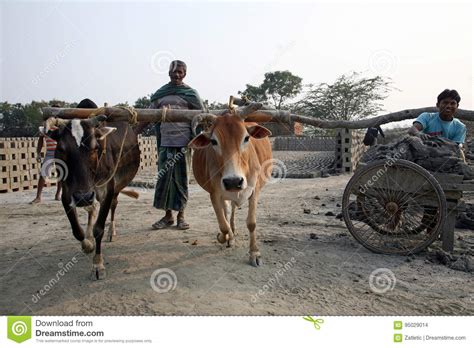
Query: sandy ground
{"points": [[324, 275]]}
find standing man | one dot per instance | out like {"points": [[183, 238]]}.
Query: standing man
{"points": [[171, 192], [441, 123], [47, 166]]}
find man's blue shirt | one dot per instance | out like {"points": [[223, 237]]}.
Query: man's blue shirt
{"points": [[432, 124]]}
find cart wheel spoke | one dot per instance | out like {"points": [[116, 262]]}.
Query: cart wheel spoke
{"points": [[396, 209]]}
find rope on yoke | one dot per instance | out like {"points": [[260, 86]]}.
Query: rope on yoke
{"points": [[132, 118], [163, 113], [133, 114], [99, 111]]}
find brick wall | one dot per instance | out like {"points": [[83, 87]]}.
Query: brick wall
{"points": [[349, 149], [19, 169], [304, 143]]}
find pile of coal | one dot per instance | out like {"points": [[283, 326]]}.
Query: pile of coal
{"points": [[465, 216], [462, 263], [435, 154]]}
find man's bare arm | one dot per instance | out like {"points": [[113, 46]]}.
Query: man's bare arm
{"points": [[417, 131]]}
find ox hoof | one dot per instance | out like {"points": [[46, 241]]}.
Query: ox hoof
{"points": [[112, 237], [98, 272], [87, 246], [222, 238], [230, 243], [255, 260]]}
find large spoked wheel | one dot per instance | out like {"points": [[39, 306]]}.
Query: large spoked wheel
{"points": [[394, 207]]}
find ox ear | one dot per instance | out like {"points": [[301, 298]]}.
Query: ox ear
{"points": [[96, 121], [101, 133], [258, 131], [199, 142]]}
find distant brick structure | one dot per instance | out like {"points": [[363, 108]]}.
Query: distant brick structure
{"points": [[19, 169], [304, 143], [349, 149]]}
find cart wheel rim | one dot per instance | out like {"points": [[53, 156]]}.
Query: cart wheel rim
{"points": [[394, 207]]}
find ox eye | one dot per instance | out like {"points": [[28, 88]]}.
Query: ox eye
{"points": [[213, 141], [246, 139]]}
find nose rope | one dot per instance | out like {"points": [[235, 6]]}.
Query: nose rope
{"points": [[103, 145], [118, 161]]}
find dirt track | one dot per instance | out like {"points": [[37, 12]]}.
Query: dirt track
{"points": [[327, 275]]}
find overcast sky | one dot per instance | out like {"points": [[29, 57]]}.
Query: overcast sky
{"points": [[120, 51]]}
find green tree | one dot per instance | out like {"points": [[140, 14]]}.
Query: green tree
{"points": [[55, 102], [349, 97], [214, 105], [14, 122], [277, 87], [18, 120], [143, 102], [255, 93], [33, 117]]}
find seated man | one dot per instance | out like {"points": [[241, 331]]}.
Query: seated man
{"points": [[441, 123]]}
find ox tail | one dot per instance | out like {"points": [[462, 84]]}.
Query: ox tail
{"points": [[130, 193]]}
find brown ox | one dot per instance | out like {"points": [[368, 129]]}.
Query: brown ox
{"points": [[232, 162], [101, 158]]}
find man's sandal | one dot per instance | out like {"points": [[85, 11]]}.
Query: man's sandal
{"points": [[163, 223], [182, 225]]}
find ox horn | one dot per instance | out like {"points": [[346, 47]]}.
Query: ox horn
{"points": [[96, 120], [201, 118], [53, 122], [248, 109]]}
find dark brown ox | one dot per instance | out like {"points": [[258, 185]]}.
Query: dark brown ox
{"points": [[101, 159], [232, 161]]}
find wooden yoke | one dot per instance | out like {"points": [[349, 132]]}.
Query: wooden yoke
{"points": [[254, 112]]}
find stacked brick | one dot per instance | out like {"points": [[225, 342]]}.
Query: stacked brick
{"points": [[148, 153], [349, 149], [19, 169], [304, 143]]}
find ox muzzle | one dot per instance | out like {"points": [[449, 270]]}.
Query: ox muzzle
{"points": [[83, 199], [233, 183]]}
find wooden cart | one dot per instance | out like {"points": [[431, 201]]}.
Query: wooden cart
{"points": [[398, 207]]}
